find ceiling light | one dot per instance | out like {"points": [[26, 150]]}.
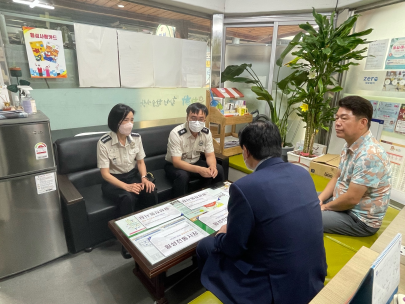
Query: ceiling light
{"points": [[34, 3], [120, 5]]}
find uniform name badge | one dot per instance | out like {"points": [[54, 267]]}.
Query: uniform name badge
{"points": [[201, 143]]}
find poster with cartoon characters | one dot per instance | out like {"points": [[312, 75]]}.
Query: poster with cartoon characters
{"points": [[46, 56]]}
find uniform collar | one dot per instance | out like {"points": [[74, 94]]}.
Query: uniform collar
{"points": [[115, 140], [188, 130], [357, 144]]}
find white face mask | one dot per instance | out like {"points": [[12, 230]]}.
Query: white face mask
{"points": [[126, 129], [196, 126], [247, 166]]}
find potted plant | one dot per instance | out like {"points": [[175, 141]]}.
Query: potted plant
{"points": [[284, 88], [322, 54]]}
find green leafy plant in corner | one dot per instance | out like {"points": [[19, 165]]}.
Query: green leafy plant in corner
{"points": [[322, 54], [286, 86]]}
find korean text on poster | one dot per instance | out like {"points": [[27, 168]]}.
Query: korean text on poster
{"points": [[396, 54], [46, 56], [388, 111], [400, 127], [376, 54]]}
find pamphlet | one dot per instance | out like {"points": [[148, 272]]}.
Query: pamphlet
{"points": [[177, 237], [156, 216], [142, 241], [196, 200], [130, 225], [216, 218]]}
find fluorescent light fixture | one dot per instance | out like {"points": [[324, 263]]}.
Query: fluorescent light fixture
{"points": [[120, 5], [34, 3]]}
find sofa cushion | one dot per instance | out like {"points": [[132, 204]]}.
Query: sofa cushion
{"points": [[155, 139], [75, 154], [98, 206], [86, 178]]}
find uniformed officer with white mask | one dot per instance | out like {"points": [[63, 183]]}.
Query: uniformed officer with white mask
{"points": [[120, 157], [186, 142]]}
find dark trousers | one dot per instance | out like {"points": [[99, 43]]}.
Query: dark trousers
{"points": [[205, 247], [181, 178], [129, 202]]}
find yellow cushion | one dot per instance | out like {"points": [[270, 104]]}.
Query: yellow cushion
{"points": [[237, 163], [206, 298], [319, 181]]}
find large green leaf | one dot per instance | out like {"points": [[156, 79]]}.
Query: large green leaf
{"points": [[262, 93], [309, 28], [326, 51], [288, 49], [232, 71], [336, 89], [244, 80], [363, 33]]}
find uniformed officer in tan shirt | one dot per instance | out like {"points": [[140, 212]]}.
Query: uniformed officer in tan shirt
{"points": [[186, 142], [120, 157]]}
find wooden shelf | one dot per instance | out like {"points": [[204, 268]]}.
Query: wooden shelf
{"points": [[216, 117]]}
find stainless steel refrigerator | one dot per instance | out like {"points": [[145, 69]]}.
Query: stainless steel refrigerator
{"points": [[31, 228]]}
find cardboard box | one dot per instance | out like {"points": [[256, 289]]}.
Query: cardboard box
{"points": [[326, 165]]}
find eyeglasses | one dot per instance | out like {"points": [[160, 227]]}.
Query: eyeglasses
{"points": [[201, 119]]}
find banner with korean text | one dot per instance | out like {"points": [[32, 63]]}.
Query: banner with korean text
{"points": [[46, 56]]}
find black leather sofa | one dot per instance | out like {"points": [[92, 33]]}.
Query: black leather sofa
{"points": [[86, 211]]}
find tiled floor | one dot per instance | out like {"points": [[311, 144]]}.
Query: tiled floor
{"points": [[101, 276]]}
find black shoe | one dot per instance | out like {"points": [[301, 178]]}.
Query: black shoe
{"points": [[125, 254]]}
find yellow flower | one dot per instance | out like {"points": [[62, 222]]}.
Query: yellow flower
{"points": [[304, 107]]}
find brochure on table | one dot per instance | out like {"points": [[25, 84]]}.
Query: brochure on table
{"points": [[381, 282], [160, 242], [161, 231]]}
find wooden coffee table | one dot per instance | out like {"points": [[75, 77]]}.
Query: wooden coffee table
{"points": [[153, 276]]}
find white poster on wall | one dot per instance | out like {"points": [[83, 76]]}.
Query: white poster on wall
{"points": [[193, 63], [371, 81], [377, 51], [167, 58], [97, 56], [136, 59]]}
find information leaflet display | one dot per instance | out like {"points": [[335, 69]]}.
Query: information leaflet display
{"points": [[142, 241], [156, 216], [216, 218], [130, 225], [197, 200]]}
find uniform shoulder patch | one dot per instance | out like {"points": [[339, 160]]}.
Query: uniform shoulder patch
{"points": [[106, 138], [182, 131], [135, 134], [205, 130]]}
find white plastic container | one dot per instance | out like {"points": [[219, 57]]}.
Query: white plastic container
{"points": [[300, 160]]}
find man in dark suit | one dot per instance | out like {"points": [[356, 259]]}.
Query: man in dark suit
{"points": [[271, 250]]}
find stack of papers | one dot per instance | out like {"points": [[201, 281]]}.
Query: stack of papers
{"points": [[230, 141]]}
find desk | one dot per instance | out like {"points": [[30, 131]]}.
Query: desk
{"points": [[153, 276], [397, 225]]}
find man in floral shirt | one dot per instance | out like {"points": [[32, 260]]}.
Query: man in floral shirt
{"points": [[355, 200]]}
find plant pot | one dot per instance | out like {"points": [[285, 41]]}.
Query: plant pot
{"points": [[284, 151], [295, 158]]}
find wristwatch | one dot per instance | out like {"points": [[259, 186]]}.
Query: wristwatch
{"points": [[149, 176]]}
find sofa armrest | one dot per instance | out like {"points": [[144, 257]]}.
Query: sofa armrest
{"points": [[221, 160], [68, 191]]}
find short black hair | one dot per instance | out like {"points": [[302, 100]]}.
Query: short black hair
{"points": [[360, 107], [117, 115], [262, 139], [196, 107]]}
